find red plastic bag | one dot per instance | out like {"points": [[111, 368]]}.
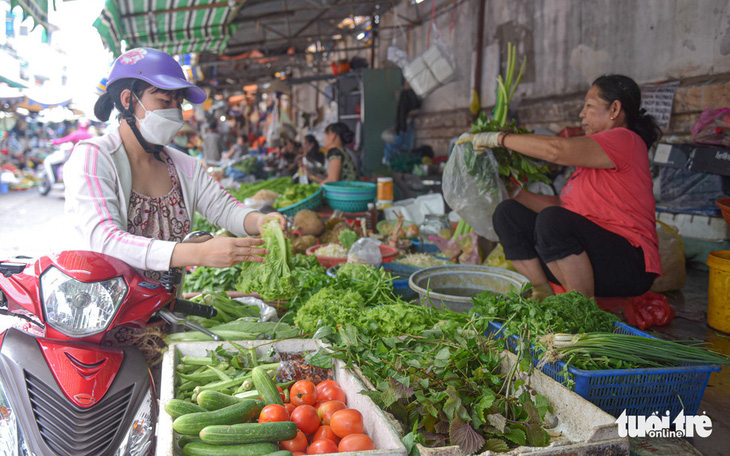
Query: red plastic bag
{"points": [[649, 309], [713, 127]]}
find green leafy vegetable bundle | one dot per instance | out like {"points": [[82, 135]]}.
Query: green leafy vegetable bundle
{"points": [[443, 383], [272, 280]]}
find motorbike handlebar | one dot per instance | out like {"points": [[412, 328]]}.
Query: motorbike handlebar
{"points": [[193, 308]]}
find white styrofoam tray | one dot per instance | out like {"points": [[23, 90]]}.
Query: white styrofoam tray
{"points": [[377, 426]]}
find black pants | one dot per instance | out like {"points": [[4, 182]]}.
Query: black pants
{"points": [[555, 233]]}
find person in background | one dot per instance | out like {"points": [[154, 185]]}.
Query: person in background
{"points": [[79, 134], [238, 150], [599, 236], [340, 164], [131, 196], [213, 144]]}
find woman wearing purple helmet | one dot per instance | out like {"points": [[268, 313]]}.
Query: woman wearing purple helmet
{"points": [[132, 197]]}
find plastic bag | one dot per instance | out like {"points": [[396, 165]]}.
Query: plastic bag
{"points": [[472, 187], [496, 259], [465, 247], [713, 127], [429, 70], [649, 309], [671, 252], [365, 251]]}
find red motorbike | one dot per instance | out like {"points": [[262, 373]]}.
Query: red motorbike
{"points": [[61, 392]]}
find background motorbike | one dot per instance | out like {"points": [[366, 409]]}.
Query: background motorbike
{"points": [[51, 172], [61, 391]]}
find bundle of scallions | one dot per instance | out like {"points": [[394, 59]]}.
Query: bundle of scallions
{"points": [[643, 351]]}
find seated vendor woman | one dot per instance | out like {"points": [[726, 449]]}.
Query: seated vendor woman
{"points": [[599, 236], [340, 164]]}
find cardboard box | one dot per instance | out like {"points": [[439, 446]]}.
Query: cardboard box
{"points": [[377, 426]]}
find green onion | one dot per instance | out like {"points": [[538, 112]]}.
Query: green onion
{"points": [[644, 351]]}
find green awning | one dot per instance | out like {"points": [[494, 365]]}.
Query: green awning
{"points": [[173, 26], [37, 9], [12, 83]]}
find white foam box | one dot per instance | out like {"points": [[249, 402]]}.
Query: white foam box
{"points": [[377, 426], [697, 226], [583, 428]]}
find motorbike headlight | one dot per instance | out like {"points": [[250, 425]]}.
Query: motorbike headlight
{"points": [[80, 309], [11, 437], [141, 432]]}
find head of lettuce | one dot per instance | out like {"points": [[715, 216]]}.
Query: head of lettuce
{"points": [[272, 280]]}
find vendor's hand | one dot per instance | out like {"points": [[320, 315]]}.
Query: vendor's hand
{"points": [[256, 220], [225, 251], [481, 141]]}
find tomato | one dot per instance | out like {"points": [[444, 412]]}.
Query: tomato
{"points": [[297, 453], [332, 393], [325, 432], [322, 446], [328, 408], [356, 442], [290, 407], [303, 392], [321, 385], [273, 412], [282, 394], [306, 418], [298, 443], [346, 422]]}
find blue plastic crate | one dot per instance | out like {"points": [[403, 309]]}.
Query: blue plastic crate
{"points": [[638, 391]]}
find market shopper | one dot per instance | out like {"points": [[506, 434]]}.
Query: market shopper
{"points": [[341, 165], [132, 197], [599, 236]]}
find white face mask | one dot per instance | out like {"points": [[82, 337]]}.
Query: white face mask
{"points": [[161, 125]]}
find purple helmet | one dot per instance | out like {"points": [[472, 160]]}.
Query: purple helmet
{"points": [[156, 68]]}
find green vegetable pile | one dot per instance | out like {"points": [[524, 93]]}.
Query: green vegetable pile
{"points": [[272, 280], [441, 380], [295, 194], [212, 279], [249, 165]]}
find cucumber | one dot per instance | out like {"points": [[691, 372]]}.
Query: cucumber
{"points": [[177, 408], [185, 439], [193, 423], [249, 433], [265, 386], [250, 449], [280, 453], [213, 400]]}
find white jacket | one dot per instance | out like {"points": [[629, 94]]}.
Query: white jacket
{"points": [[98, 181]]}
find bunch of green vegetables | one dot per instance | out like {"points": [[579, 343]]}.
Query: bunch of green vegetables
{"points": [[249, 165], [512, 165], [227, 309], [279, 185], [226, 371], [204, 278], [564, 313], [295, 194], [272, 280], [442, 382]]}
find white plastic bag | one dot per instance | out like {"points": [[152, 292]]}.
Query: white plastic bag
{"points": [[365, 251], [472, 187]]}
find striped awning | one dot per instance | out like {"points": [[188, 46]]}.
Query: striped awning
{"points": [[173, 26], [37, 9]]}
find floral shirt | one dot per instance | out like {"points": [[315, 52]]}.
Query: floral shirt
{"points": [[349, 169], [164, 218]]}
